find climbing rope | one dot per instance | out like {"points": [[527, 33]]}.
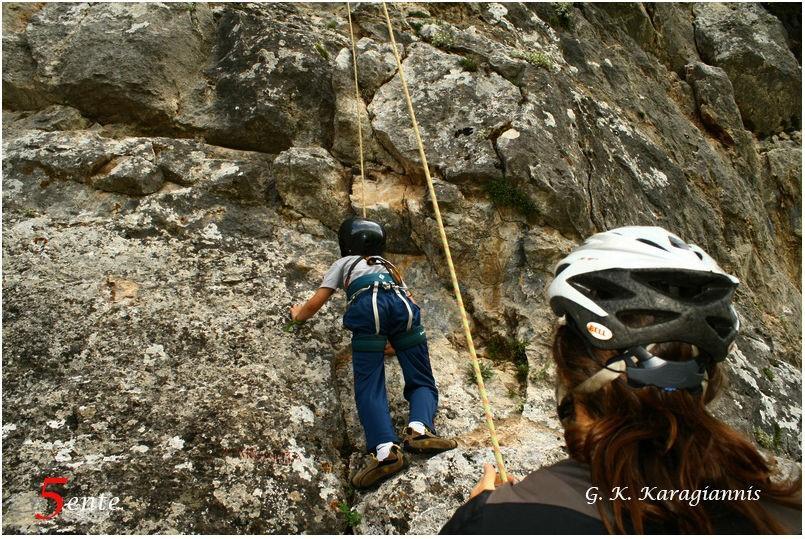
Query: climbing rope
{"points": [[490, 424], [357, 109]]}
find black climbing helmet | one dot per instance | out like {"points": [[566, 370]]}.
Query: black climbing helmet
{"points": [[629, 288], [361, 237]]}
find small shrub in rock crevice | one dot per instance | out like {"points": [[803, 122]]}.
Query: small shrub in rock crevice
{"points": [[535, 58], [511, 350], [487, 373], [322, 51], [562, 15], [469, 64], [442, 39], [502, 193], [419, 14], [769, 441], [351, 517], [540, 376]]}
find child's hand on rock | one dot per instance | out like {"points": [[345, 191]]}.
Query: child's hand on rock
{"points": [[295, 310]]}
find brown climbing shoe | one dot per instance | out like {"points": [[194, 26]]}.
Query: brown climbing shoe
{"points": [[426, 443], [376, 471]]}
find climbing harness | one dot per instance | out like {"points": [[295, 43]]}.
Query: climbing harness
{"points": [[372, 261], [357, 109], [374, 282], [446, 247]]}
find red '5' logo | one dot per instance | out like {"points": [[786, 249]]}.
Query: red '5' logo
{"points": [[53, 496]]}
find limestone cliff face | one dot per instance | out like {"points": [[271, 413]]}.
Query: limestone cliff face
{"points": [[173, 175]]}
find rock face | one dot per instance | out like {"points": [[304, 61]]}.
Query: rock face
{"points": [[173, 177], [313, 183], [751, 45], [459, 132], [715, 100], [114, 66]]}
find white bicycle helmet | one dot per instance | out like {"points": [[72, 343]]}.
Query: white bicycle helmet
{"points": [[631, 287]]}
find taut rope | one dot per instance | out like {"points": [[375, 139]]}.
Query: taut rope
{"points": [[357, 109], [479, 380]]}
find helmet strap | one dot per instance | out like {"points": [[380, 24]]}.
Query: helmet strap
{"points": [[639, 365]]}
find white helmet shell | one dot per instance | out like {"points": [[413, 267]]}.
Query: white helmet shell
{"points": [[645, 269], [628, 247]]}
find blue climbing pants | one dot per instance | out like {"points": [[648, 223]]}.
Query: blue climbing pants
{"points": [[398, 320]]}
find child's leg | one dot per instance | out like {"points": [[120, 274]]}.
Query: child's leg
{"points": [[371, 398], [369, 373], [420, 387]]}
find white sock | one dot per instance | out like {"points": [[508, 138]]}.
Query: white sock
{"points": [[418, 427], [383, 450]]}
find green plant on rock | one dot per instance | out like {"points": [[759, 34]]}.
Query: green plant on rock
{"points": [[351, 517], [512, 350], [777, 437], [522, 372], [507, 349], [562, 15], [487, 373], [769, 373], [541, 375], [503, 193], [419, 14], [469, 64], [322, 50], [442, 39], [769, 441], [332, 24], [764, 439], [535, 58]]}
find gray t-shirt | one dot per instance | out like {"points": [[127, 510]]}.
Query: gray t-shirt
{"points": [[334, 278]]}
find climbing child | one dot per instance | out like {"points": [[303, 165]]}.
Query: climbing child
{"points": [[380, 308]]}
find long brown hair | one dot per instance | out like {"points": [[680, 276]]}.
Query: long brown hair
{"points": [[649, 437]]}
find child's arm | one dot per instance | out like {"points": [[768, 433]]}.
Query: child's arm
{"points": [[303, 312]]}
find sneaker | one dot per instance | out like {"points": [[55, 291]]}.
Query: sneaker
{"points": [[427, 442], [376, 471]]}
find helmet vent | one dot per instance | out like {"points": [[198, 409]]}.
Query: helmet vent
{"points": [[676, 242], [560, 269], [638, 318], [598, 288], [691, 287], [649, 242], [722, 326]]}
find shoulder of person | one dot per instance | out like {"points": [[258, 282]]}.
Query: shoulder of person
{"points": [[563, 484], [567, 474], [550, 500], [344, 261], [789, 517]]}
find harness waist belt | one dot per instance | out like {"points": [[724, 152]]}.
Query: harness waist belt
{"points": [[365, 281], [368, 343], [376, 343]]}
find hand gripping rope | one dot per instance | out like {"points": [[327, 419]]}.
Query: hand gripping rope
{"points": [[490, 424]]}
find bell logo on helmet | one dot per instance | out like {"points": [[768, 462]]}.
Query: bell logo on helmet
{"points": [[598, 331]]}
